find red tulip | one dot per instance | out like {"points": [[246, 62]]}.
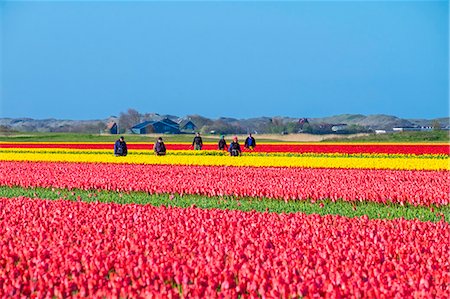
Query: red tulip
{"points": [[414, 187], [66, 248]]}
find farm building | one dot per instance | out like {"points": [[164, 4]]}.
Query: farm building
{"points": [[187, 126], [145, 127], [380, 131], [161, 126], [403, 129], [339, 127], [303, 121], [111, 128]]}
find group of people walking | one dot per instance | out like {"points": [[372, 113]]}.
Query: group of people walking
{"points": [[235, 148], [120, 147]]}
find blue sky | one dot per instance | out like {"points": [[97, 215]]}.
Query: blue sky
{"points": [[88, 60]]}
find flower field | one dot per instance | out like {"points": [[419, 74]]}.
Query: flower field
{"points": [[283, 221], [378, 148], [67, 248], [218, 158], [414, 187]]}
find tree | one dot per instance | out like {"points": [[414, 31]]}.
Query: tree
{"points": [[293, 127], [128, 119], [222, 127], [276, 126], [6, 129], [200, 121], [307, 128], [436, 125]]}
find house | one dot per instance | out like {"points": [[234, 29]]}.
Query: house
{"points": [[170, 122], [380, 132], [323, 128], [403, 129], [166, 126], [111, 128], [339, 127], [302, 122], [186, 125], [161, 126], [145, 127]]}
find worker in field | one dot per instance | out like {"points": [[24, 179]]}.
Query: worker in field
{"points": [[250, 142], [197, 143], [222, 143], [235, 148], [120, 147], [159, 148]]}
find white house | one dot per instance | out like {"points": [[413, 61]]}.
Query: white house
{"points": [[339, 127], [403, 129]]}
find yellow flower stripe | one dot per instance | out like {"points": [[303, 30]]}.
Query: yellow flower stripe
{"points": [[217, 153], [371, 162]]}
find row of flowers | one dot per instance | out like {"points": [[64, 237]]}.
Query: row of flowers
{"points": [[415, 149], [383, 186], [406, 162], [64, 249], [49, 150]]}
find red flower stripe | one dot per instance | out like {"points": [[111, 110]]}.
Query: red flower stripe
{"points": [[61, 249], [416, 149], [414, 187]]}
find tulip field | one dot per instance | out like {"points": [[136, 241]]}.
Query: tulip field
{"points": [[286, 220]]}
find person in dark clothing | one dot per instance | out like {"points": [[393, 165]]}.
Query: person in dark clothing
{"points": [[250, 142], [222, 143], [235, 148], [120, 147], [159, 148], [198, 142]]}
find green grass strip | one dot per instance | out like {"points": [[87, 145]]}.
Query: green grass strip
{"points": [[322, 207], [408, 136]]}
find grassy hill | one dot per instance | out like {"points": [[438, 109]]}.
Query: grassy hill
{"points": [[262, 125]]}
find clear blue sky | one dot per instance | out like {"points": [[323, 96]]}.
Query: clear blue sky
{"points": [[88, 60]]}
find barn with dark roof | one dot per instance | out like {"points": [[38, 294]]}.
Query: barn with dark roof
{"points": [[165, 126]]}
